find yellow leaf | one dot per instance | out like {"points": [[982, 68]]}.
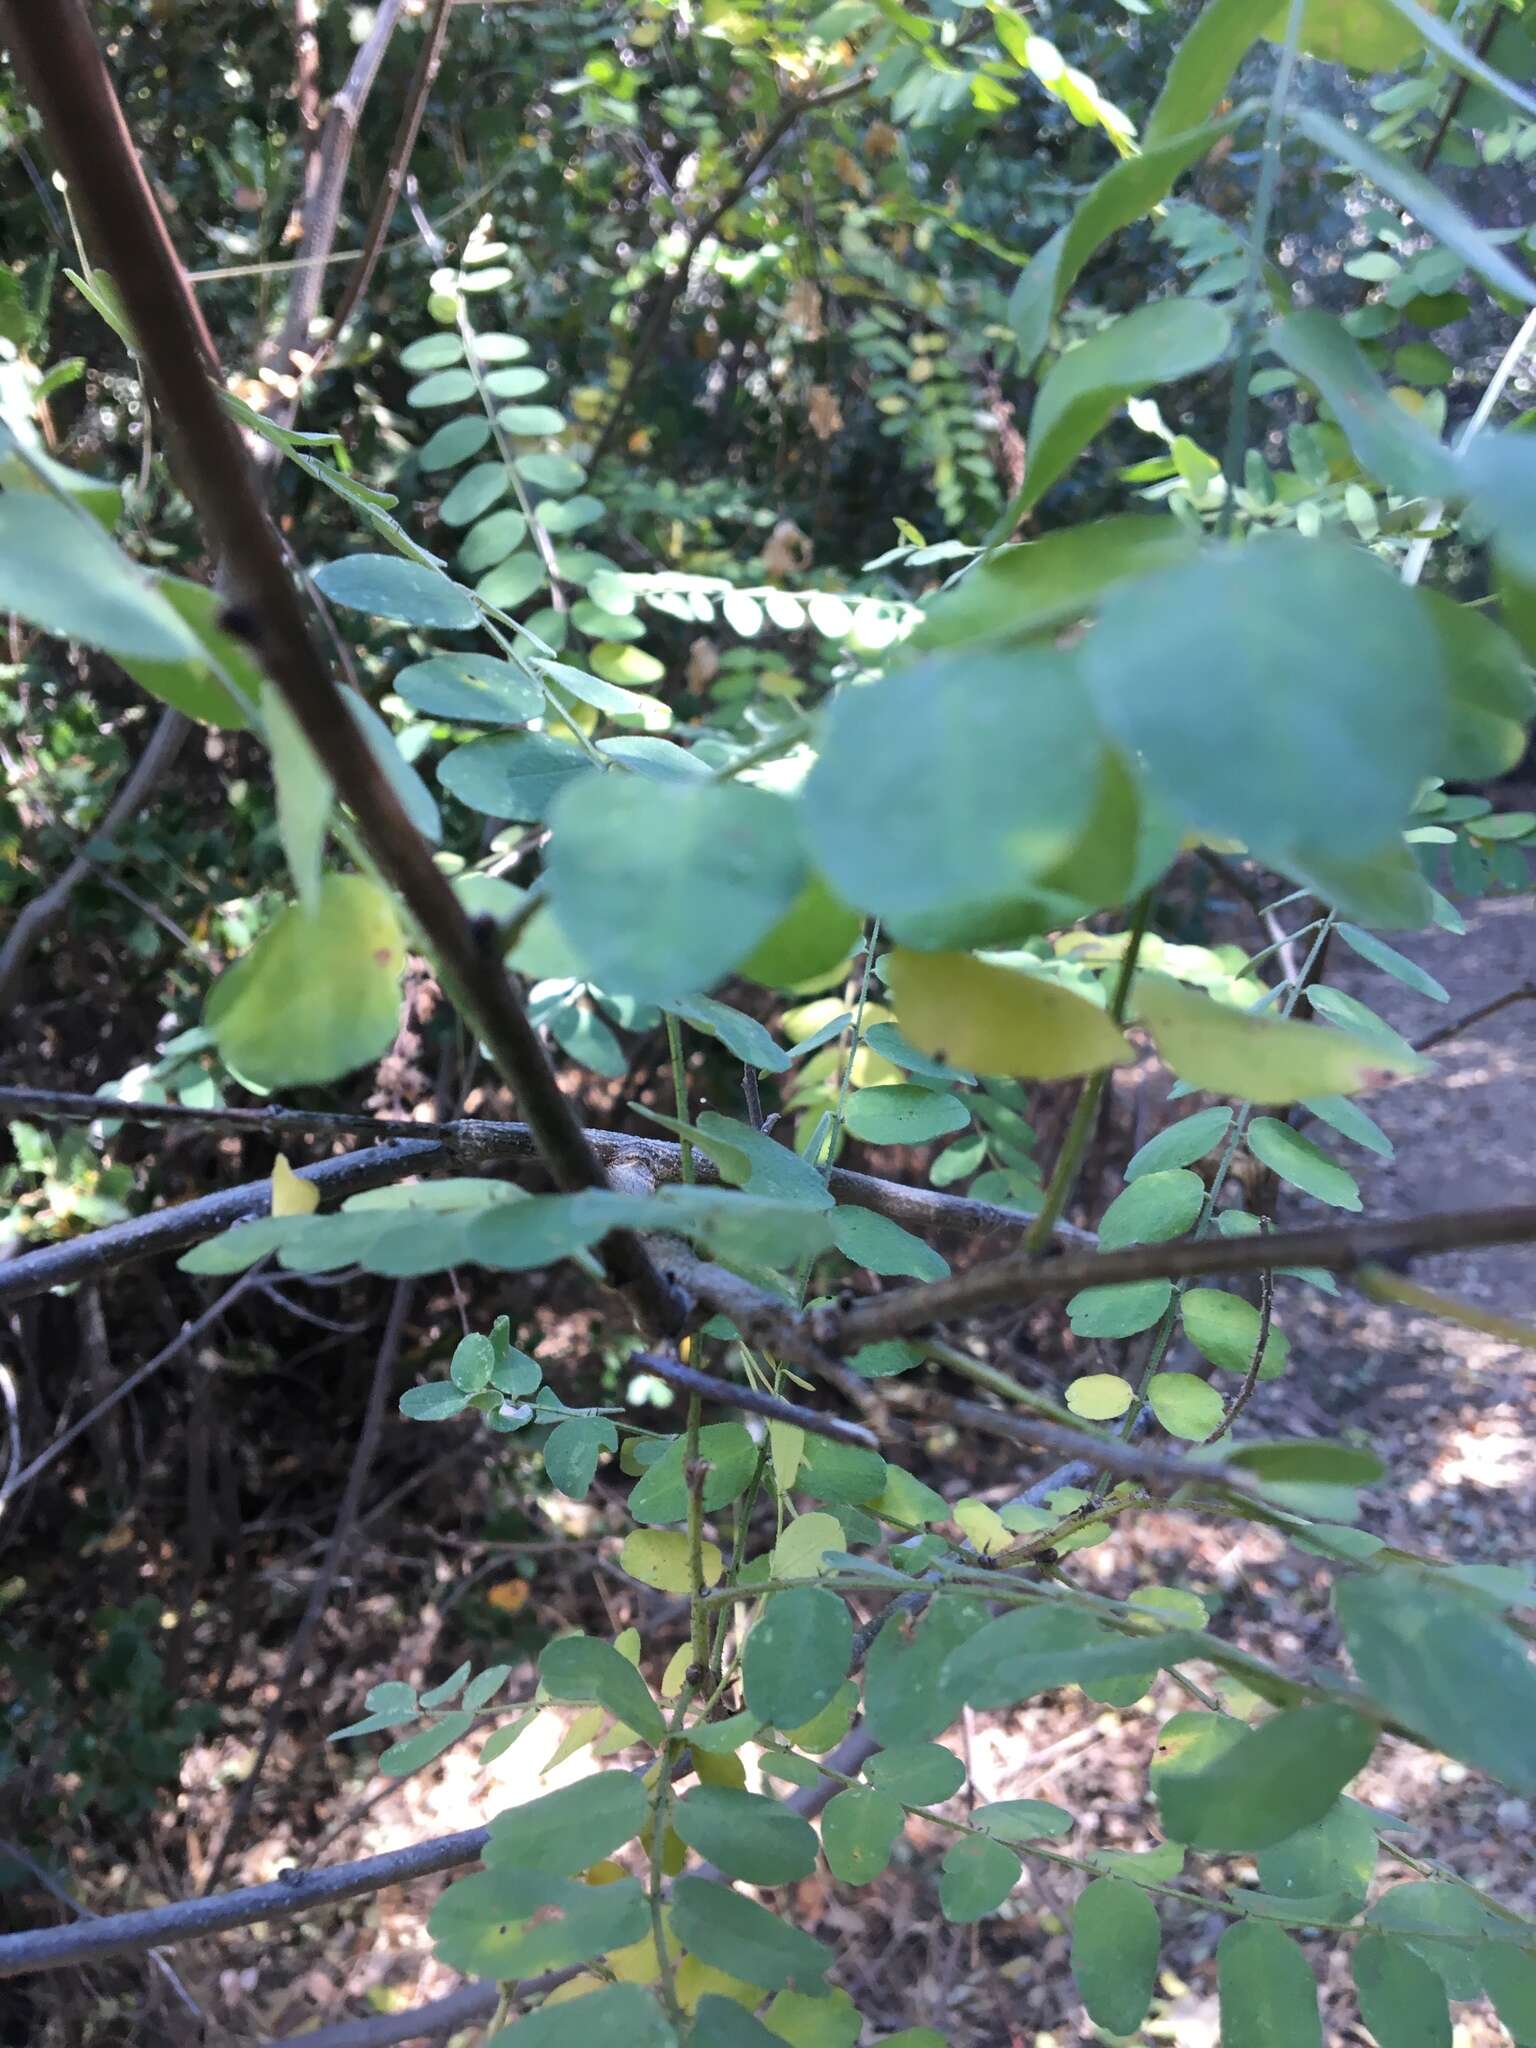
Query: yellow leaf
{"points": [[638, 1963], [576, 1987], [720, 1770], [577, 1736], [999, 1020], [1258, 1058], [676, 1671], [605, 1872], [696, 1980], [627, 1643], [786, 1446], [984, 1526], [659, 1558], [1100, 1396], [798, 1552], [290, 1195], [508, 1596]]}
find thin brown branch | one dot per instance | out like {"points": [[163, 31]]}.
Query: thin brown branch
{"points": [[1017, 1278], [325, 180], [116, 1934], [675, 282], [467, 2007], [325, 1578], [48, 907], [1525, 993], [16, 1480], [468, 1143], [752, 1400], [64, 73], [1158, 1468], [400, 154], [1462, 87], [1244, 1393], [173, 1229]]}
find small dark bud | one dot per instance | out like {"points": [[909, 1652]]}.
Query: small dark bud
{"points": [[241, 623]]}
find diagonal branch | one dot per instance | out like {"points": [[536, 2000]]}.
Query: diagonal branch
{"points": [[299, 1891], [672, 286], [400, 154], [62, 67], [325, 179], [1017, 1277], [384, 1364], [468, 1143]]}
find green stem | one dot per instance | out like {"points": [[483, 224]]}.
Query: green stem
{"points": [[698, 1619], [1247, 318], [1074, 1146], [680, 1089]]}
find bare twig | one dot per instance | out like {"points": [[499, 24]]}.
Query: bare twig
{"points": [[171, 1230], [50, 904], [116, 1934], [466, 2007], [193, 1330], [466, 1143], [1017, 1278], [675, 282], [325, 1578], [394, 178], [1158, 1468], [326, 177], [61, 64], [1525, 993], [1244, 1393], [731, 1394]]}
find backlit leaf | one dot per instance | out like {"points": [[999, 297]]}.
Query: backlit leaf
{"points": [[1186, 1406], [1099, 1396], [1227, 1051], [389, 587], [663, 889], [660, 1558], [318, 994], [999, 1020], [565, 1831], [1224, 1328], [1158, 343]]}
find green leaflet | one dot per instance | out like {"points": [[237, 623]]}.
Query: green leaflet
{"points": [[1268, 1996], [664, 888], [1225, 1787], [1115, 1943], [1156, 344], [1414, 1638], [565, 1831], [1284, 693], [1133, 188], [510, 1922], [616, 2012]]}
